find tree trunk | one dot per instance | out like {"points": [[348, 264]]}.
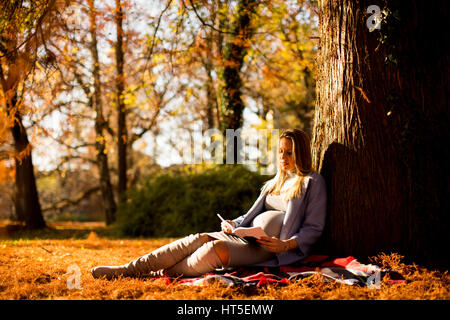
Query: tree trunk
{"points": [[26, 197], [381, 129], [100, 123], [212, 106], [235, 50], [121, 112], [231, 104], [23, 35], [211, 101]]}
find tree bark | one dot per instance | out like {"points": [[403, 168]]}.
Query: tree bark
{"points": [[381, 129], [235, 50], [231, 103], [100, 125], [19, 62], [212, 106], [26, 199], [122, 137], [211, 100]]}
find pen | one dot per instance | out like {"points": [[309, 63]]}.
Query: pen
{"points": [[220, 217]]}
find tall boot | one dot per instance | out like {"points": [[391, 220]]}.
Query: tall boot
{"points": [[149, 264], [203, 260]]}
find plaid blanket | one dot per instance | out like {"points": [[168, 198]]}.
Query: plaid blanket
{"points": [[343, 270]]}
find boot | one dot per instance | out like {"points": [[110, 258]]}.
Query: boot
{"points": [[113, 272], [162, 258]]}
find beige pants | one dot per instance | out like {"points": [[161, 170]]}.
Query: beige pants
{"points": [[242, 254], [184, 257], [187, 257]]}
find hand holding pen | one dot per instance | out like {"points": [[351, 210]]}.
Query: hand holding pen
{"points": [[227, 226]]}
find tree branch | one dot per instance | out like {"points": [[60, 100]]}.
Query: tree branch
{"points": [[203, 22], [64, 203]]}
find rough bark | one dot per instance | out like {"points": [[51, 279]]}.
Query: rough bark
{"points": [[100, 125], [381, 129]]}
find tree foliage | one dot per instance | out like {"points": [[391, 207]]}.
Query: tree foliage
{"points": [[169, 75]]}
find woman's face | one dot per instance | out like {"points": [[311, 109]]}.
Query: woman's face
{"points": [[285, 154]]}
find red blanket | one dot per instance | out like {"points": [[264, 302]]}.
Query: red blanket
{"points": [[344, 270]]}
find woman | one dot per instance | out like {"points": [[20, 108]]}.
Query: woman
{"points": [[291, 210]]}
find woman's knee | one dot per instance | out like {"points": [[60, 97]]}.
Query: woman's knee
{"points": [[219, 246], [222, 251], [204, 238]]}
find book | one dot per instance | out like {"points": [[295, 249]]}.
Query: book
{"points": [[249, 232], [245, 232]]}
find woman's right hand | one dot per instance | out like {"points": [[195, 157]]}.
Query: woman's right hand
{"points": [[226, 226]]}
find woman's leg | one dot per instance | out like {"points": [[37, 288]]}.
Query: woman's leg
{"points": [[218, 253], [211, 255], [241, 255], [162, 258]]}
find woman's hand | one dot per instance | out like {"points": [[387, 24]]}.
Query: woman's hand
{"points": [[274, 244], [226, 227]]}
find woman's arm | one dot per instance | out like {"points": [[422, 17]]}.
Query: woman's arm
{"points": [[315, 213], [276, 245]]}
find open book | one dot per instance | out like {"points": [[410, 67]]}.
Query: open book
{"points": [[252, 232], [245, 232]]}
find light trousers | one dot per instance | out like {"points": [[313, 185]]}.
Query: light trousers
{"points": [[187, 257]]}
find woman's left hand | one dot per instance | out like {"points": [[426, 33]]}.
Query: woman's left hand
{"points": [[273, 244]]}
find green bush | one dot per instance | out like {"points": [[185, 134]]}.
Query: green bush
{"points": [[179, 203]]}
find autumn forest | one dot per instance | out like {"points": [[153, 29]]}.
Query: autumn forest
{"points": [[105, 107]]}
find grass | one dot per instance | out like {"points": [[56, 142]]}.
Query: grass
{"points": [[35, 265]]}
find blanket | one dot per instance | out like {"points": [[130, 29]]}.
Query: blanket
{"points": [[347, 270]]}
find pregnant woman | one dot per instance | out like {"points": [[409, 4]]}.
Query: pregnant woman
{"points": [[291, 210]]}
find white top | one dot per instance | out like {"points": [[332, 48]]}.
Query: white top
{"points": [[272, 219], [276, 202]]}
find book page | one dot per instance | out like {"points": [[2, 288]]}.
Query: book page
{"points": [[255, 232]]}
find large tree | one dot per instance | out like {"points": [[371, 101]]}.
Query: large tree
{"points": [[381, 127]]}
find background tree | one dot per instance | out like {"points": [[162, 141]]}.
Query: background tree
{"points": [[235, 49], [122, 137], [24, 28], [280, 73], [169, 64], [68, 115], [381, 128], [275, 60], [109, 202]]}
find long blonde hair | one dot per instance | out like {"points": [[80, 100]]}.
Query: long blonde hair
{"points": [[303, 165]]}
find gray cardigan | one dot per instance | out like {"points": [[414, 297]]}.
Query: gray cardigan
{"points": [[304, 219]]}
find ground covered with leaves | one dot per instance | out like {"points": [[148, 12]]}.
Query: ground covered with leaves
{"points": [[32, 267]]}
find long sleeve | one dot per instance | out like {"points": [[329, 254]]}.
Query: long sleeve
{"points": [[315, 214]]}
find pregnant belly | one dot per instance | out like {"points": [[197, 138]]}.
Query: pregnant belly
{"points": [[270, 222]]}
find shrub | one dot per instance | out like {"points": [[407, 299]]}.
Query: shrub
{"points": [[178, 203]]}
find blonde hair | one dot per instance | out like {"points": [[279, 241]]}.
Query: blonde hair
{"points": [[303, 165]]}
